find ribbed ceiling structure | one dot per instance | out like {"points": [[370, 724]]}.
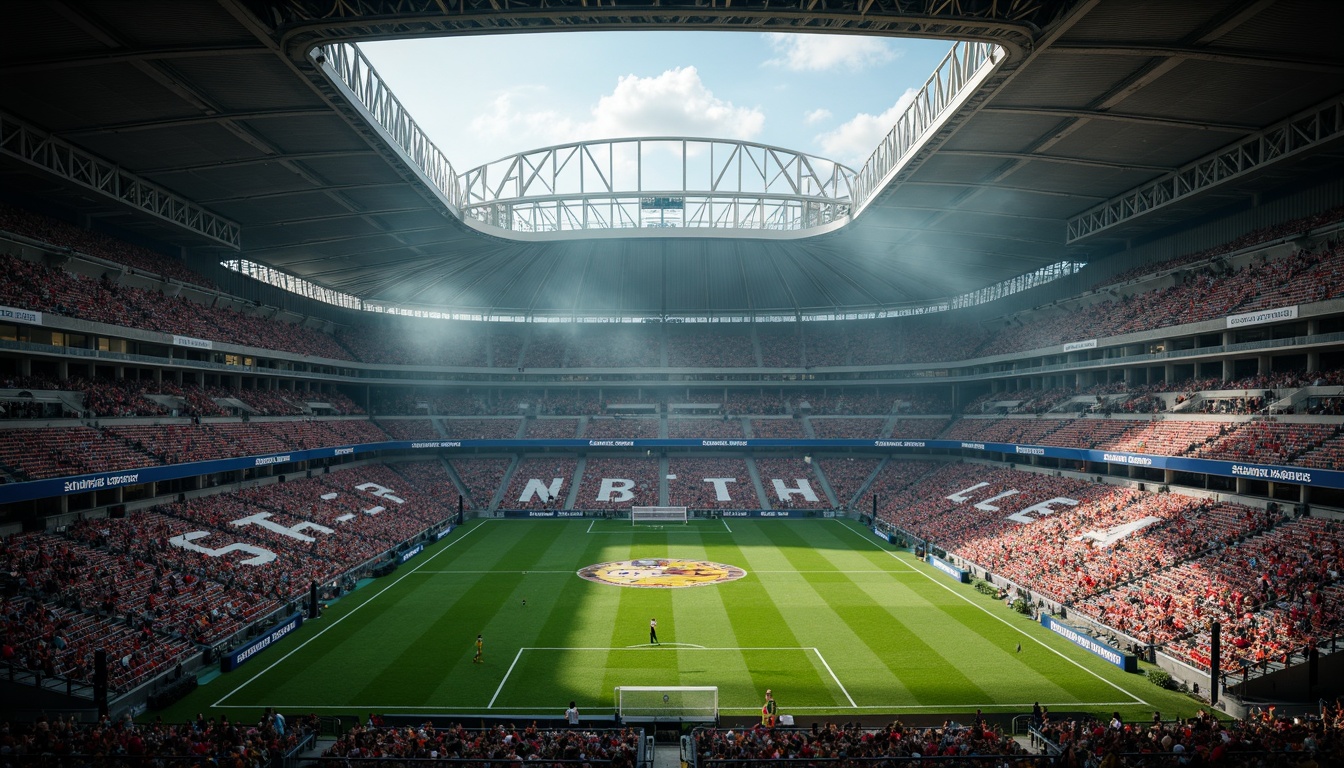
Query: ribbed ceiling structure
{"points": [[218, 108]]}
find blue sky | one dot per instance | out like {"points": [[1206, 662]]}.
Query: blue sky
{"points": [[483, 97]]}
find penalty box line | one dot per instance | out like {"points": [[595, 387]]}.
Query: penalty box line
{"points": [[680, 647], [352, 612], [1005, 622]]}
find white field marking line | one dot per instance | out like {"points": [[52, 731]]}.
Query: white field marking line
{"points": [[905, 568], [1004, 621], [655, 530], [833, 677], [669, 645], [590, 525], [500, 689], [647, 647], [823, 570], [685, 646], [785, 571], [724, 520], [499, 572], [878, 707], [323, 630]]}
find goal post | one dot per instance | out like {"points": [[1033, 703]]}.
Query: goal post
{"points": [[667, 703], [657, 515]]}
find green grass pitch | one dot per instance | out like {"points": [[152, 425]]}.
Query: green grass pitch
{"points": [[831, 619]]}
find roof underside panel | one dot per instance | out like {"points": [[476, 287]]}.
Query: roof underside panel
{"points": [[1235, 93]]}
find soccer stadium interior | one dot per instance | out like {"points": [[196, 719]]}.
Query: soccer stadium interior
{"points": [[1075, 331]]}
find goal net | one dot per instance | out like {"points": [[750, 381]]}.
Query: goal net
{"points": [[672, 703], [657, 515]]}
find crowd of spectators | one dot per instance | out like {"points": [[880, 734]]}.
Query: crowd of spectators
{"points": [[482, 429], [857, 402], [1154, 567], [834, 744], [553, 472], [1274, 594], [481, 478], [409, 429], [636, 477], [787, 482], [1254, 237], [778, 428], [618, 748], [212, 741], [705, 427], [130, 587], [55, 291], [846, 476], [621, 427], [55, 232], [917, 429], [616, 345], [1263, 740], [1211, 288], [731, 348], [686, 486], [408, 341], [421, 403], [131, 398], [752, 404], [827, 428], [552, 429]]}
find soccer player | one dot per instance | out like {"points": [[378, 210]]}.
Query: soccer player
{"points": [[480, 646], [769, 709], [653, 632]]}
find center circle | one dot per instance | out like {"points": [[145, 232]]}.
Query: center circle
{"points": [[663, 573]]}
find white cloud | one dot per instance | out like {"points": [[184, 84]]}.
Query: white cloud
{"points": [[823, 53], [853, 141], [814, 116], [674, 103]]}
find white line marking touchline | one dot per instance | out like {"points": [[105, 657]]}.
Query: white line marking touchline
{"points": [[724, 520], [516, 657], [1004, 621], [833, 677], [323, 630]]}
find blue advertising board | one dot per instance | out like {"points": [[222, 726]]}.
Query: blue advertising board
{"points": [[956, 573], [241, 656], [1122, 660]]}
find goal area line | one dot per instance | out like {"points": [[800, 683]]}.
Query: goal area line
{"points": [[645, 649]]}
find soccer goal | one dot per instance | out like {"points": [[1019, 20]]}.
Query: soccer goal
{"points": [[667, 703], [657, 515]]}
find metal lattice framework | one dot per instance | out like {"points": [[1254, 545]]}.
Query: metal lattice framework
{"points": [[961, 72], [352, 73], [707, 184], [304, 24], [1291, 137], [70, 163]]}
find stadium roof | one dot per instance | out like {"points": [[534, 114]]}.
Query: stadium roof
{"points": [[209, 124]]}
